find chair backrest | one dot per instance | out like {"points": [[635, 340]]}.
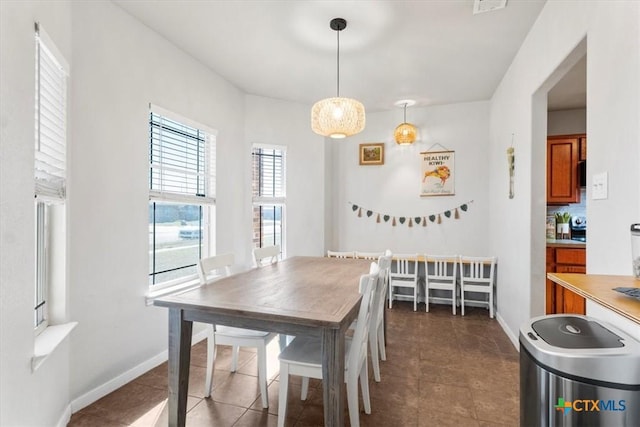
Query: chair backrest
{"points": [[441, 268], [368, 284], [384, 264], [266, 255], [338, 254], [217, 265], [369, 255], [406, 266], [477, 269]]}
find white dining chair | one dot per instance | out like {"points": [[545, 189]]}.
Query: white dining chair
{"points": [[303, 357], [266, 255], [404, 276], [341, 254], [441, 273], [376, 328], [220, 266], [373, 256], [376, 331], [477, 275]]}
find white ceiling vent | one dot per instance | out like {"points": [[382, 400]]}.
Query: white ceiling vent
{"points": [[481, 6]]}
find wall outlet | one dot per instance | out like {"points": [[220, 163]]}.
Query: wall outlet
{"points": [[599, 184]]}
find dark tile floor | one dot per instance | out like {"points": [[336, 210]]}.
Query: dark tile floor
{"points": [[441, 370]]}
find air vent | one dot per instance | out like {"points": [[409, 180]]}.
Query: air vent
{"points": [[481, 6]]}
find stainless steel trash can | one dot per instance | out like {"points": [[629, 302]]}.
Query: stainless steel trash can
{"points": [[575, 371]]}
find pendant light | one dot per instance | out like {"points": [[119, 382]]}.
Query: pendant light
{"points": [[405, 133], [337, 117]]}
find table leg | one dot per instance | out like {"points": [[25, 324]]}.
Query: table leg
{"points": [[179, 358], [333, 376]]}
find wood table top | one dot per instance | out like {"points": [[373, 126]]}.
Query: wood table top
{"points": [[309, 291], [599, 288]]}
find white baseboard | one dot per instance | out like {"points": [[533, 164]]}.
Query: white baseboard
{"points": [[117, 382], [65, 417], [505, 328]]}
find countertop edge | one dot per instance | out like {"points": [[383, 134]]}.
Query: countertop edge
{"points": [[564, 279]]}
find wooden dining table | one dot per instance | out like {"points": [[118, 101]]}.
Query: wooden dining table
{"points": [[312, 296]]}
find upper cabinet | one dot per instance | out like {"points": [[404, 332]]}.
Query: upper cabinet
{"points": [[583, 148], [563, 155]]}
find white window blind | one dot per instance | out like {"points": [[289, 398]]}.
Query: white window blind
{"points": [[181, 161], [51, 120], [268, 175]]}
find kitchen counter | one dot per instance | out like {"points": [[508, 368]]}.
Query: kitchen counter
{"points": [[565, 243], [599, 288]]}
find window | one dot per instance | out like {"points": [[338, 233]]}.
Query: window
{"points": [[268, 195], [49, 173], [181, 196]]}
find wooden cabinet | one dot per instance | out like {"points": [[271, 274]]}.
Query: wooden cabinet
{"points": [[563, 155], [583, 148], [559, 299]]}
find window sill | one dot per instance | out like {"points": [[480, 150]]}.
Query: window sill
{"points": [[47, 342], [170, 290]]}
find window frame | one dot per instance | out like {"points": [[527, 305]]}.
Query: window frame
{"points": [[260, 201], [41, 309], [206, 201], [51, 110]]}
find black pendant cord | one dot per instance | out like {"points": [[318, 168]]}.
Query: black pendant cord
{"points": [[338, 24], [405, 113], [338, 67]]}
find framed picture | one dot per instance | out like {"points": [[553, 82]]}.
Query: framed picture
{"points": [[438, 173], [372, 154]]}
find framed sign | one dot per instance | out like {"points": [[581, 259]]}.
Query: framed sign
{"points": [[372, 154], [438, 173]]}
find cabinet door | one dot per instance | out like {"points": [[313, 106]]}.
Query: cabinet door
{"points": [[576, 256], [550, 298], [583, 148], [550, 288], [562, 170], [570, 301], [573, 303]]}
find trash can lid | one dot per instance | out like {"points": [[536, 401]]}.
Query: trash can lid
{"points": [[575, 332]]}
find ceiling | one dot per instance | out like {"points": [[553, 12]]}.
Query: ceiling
{"points": [[434, 52], [571, 91]]}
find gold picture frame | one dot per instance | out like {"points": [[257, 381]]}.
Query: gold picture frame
{"points": [[371, 154]]}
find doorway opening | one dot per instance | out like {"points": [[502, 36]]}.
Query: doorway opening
{"points": [[558, 108]]}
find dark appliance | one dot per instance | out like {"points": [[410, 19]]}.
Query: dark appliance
{"points": [[578, 226], [576, 371]]}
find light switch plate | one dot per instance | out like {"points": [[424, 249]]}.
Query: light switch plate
{"points": [[599, 184]]}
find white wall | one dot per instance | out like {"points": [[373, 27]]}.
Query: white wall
{"points": [[121, 66], [270, 121], [394, 188], [566, 122], [517, 234], [118, 67], [26, 398]]}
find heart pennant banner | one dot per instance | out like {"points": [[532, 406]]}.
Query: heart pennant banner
{"points": [[435, 217]]}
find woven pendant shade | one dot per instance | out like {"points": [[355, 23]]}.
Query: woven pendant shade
{"points": [[405, 133], [337, 117]]}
